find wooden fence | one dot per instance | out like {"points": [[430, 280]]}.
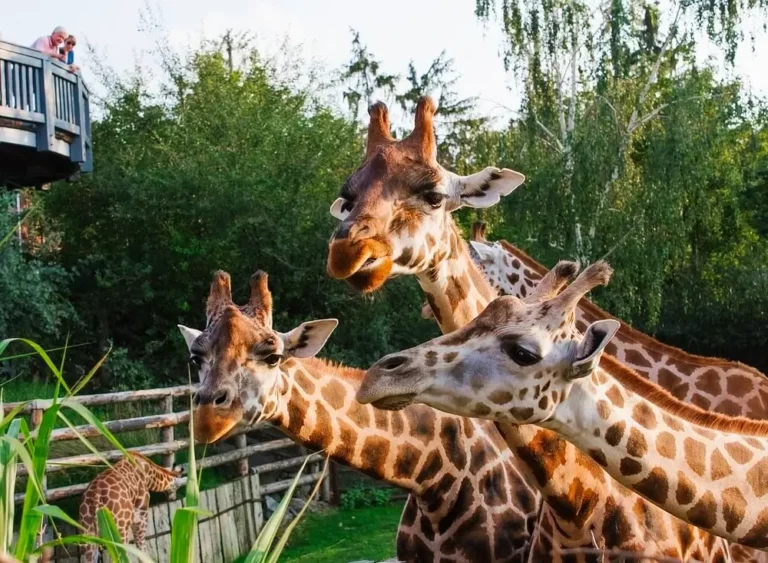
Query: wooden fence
{"points": [[264, 462]]}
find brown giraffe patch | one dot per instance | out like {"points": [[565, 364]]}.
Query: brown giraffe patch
{"points": [[636, 444], [704, 513], [457, 290], [358, 414], [694, 455], [577, 505], [665, 445], [544, 453], [672, 422], [739, 452], [482, 410], [729, 407], [322, 434], [304, 382], [523, 393], [654, 487], [374, 454], [686, 489], [449, 357], [615, 433], [493, 487], [709, 382], [500, 397], [701, 401], [451, 439], [430, 358], [734, 508], [704, 432], [599, 457], [406, 461], [718, 466], [431, 467], [643, 415], [521, 413], [603, 409], [397, 423], [617, 529], [629, 466], [615, 396], [754, 443], [738, 385], [636, 359], [757, 477], [513, 278], [758, 535], [544, 402]]}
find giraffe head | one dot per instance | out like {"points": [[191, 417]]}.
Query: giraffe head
{"points": [[395, 208], [515, 362], [240, 357]]}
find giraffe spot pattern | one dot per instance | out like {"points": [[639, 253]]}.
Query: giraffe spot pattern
{"points": [[704, 513], [615, 433], [665, 445], [694, 455], [686, 489], [636, 444], [654, 487], [599, 457], [734, 508], [644, 416], [718, 466], [500, 397], [603, 409], [615, 396], [757, 477], [740, 453], [629, 466]]}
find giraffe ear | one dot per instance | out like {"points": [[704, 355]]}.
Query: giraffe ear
{"points": [[189, 334], [590, 349], [307, 339], [485, 188], [484, 252], [337, 209]]}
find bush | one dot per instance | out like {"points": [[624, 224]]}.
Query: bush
{"points": [[360, 496]]}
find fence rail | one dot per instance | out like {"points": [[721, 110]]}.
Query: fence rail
{"points": [[168, 445], [45, 119]]}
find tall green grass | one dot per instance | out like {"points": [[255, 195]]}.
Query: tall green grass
{"points": [[30, 447]]}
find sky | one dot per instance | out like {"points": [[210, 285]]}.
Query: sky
{"points": [[396, 32]]}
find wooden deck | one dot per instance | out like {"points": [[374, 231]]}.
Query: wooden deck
{"points": [[45, 120]]}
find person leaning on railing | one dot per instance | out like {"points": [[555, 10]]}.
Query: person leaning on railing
{"points": [[68, 51], [49, 44]]}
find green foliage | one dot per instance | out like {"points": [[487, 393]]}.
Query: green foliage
{"points": [[361, 496]]}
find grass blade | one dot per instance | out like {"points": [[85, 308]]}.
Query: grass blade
{"points": [[80, 539], [40, 352], [274, 556], [91, 419], [88, 376], [109, 532], [261, 547], [56, 512], [185, 520]]}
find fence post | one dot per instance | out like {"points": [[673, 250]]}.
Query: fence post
{"points": [[166, 436], [243, 464], [333, 484]]}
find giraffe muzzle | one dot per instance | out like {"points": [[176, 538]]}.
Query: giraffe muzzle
{"points": [[390, 384], [364, 264]]}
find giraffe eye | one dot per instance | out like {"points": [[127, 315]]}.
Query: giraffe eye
{"points": [[520, 355], [272, 360], [196, 360], [434, 199], [347, 206]]}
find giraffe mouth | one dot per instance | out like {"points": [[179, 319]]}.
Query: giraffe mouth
{"points": [[365, 265], [394, 402]]}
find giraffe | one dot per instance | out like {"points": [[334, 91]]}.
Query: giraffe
{"points": [[525, 363], [124, 489], [395, 213], [250, 372], [730, 388]]}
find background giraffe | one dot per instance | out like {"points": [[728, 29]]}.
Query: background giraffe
{"points": [[395, 218], [727, 387], [251, 372], [124, 489]]}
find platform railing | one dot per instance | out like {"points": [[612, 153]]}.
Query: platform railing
{"points": [[44, 105]]}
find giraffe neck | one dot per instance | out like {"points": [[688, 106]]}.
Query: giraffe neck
{"points": [[454, 286], [703, 468], [437, 457], [156, 478]]}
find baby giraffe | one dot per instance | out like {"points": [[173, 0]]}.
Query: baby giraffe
{"points": [[524, 362], [124, 489]]}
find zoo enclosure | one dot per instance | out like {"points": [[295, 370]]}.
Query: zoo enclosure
{"points": [[236, 507]]}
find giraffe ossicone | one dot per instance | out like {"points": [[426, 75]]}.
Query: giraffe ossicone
{"points": [[249, 371], [524, 362]]}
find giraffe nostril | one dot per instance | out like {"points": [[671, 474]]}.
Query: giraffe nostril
{"points": [[393, 362], [221, 398], [196, 400]]}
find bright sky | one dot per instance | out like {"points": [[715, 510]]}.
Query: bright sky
{"points": [[395, 31]]}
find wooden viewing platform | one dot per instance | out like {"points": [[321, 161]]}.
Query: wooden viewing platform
{"points": [[45, 119]]}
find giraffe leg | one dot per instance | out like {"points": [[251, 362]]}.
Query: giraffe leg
{"points": [[139, 526]]}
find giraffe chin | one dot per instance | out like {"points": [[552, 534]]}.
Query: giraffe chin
{"points": [[394, 402], [211, 425], [371, 280]]}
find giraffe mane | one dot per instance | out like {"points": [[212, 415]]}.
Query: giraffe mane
{"points": [[346, 372], [633, 333], [633, 381]]}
